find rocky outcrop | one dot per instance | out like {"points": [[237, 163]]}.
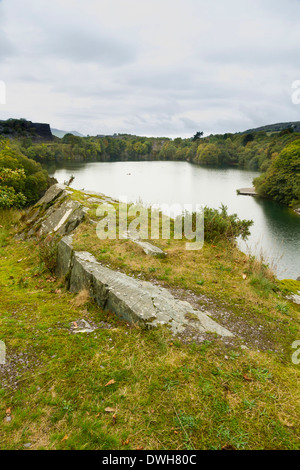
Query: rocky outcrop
{"points": [[64, 219], [55, 213], [131, 299]]}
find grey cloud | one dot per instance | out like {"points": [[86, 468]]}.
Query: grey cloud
{"points": [[259, 55], [7, 49], [79, 46], [213, 66]]}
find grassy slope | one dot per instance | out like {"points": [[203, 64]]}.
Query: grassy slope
{"points": [[166, 394]]}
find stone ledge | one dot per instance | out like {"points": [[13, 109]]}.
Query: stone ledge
{"points": [[132, 300]]}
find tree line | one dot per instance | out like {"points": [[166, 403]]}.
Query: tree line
{"points": [[269, 153]]}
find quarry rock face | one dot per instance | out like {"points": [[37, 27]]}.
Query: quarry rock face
{"points": [[42, 130], [36, 130]]}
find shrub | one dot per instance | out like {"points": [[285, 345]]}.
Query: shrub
{"points": [[219, 225], [22, 181], [9, 198], [48, 252]]}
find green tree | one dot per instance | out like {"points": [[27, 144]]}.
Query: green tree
{"points": [[281, 181], [208, 154], [197, 136]]}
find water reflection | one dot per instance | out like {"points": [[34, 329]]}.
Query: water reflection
{"points": [[280, 228]]}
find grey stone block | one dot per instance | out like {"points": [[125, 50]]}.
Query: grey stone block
{"points": [[132, 300]]}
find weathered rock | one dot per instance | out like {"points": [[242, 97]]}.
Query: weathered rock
{"points": [[80, 276], [298, 278], [150, 249], [133, 300], [93, 193], [95, 200], [99, 196], [64, 256], [63, 219], [54, 212], [295, 298], [82, 326], [147, 247], [52, 193]]}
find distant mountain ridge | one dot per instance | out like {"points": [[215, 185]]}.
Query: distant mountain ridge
{"points": [[42, 131], [278, 127], [59, 133]]}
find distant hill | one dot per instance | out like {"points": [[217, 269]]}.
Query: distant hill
{"points": [[60, 134], [278, 127], [17, 128]]}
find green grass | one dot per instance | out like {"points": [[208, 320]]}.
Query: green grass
{"points": [[165, 394], [219, 276]]}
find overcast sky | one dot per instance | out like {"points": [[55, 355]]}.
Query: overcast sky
{"points": [[150, 67]]}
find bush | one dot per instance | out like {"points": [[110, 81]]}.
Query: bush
{"points": [[9, 198], [11, 185], [48, 252], [219, 225], [22, 181]]}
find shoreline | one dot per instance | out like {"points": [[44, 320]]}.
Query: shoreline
{"points": [[253, 193]]}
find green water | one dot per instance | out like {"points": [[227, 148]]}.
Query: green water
{"points": [[276, 229]]}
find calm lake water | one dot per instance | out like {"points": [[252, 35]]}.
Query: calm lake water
{"points": [[276, 229]]}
